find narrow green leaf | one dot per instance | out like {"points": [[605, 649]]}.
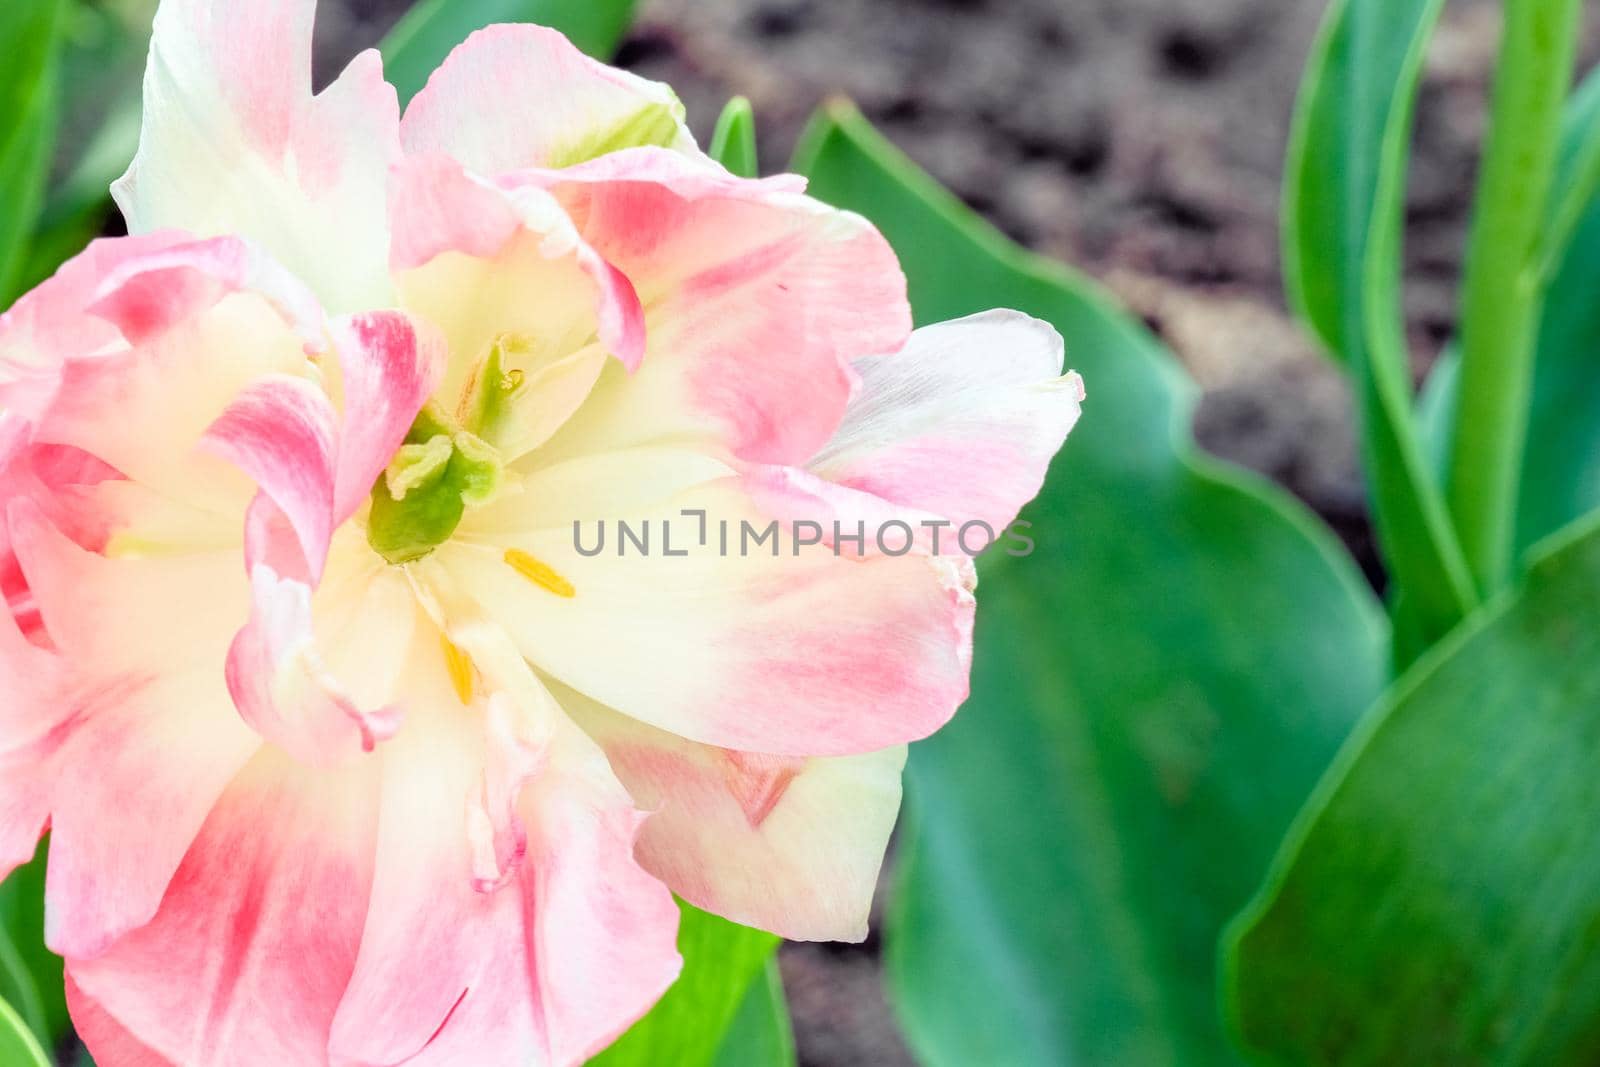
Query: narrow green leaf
{"points": [[102, 61], [760, 1034], [733, 144], [1560, 480], [1344, 201], [1439, 900], [29, 39], [1154, 691], [430, 30], [18, 1048], [1502, 292], [30, 974], [721, 960]]}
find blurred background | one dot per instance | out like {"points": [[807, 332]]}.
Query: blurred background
{"points": [[1140, 140]]}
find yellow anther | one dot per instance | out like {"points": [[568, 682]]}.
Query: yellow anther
{"points": [[460, 667], [539, 573]]}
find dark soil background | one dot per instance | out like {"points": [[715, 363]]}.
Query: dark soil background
{"points": [[1142, 141]]}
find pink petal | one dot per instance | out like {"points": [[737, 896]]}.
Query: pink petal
{"points": [[30, 709], [57, 480], [234, 143], [282, 431], [550, 101], [146, 295], [548, 961], [784, 844], [757, 298], [522, 267], [150, 316], [803, 652], [389, 365], [107, 1040], [255, 941], [962, 423], [283, 687], [48, 326], [144, 738]]}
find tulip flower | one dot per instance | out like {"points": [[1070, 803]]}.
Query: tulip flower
{"points": [[347, 753]]}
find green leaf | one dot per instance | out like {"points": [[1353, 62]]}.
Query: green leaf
{"points": [[18, 1048], [721, 961], [30, 974], [1439, 900], [1154, 691], [1344, 202], [733, 144], [103, 59], [1561, 464], [760, 1034], [29, 40], [430, 30]]}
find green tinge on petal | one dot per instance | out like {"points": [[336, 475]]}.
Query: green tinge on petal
{"points": [[655, 125], [420, 500], [493, 389]]}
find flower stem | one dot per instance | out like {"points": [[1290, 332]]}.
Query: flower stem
{"points": [[1503, 288]]}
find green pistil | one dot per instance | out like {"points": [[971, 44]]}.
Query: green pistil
{"points": [[420, 500]]}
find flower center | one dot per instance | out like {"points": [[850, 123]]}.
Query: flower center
{"points": [[419, 501]]}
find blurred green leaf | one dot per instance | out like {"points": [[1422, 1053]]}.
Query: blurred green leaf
{"points": [[760, 1034], [103, 58], [733, 144], [1344, 203], [1155, 690], [432, 28], [1561, 463], [29, 40], [721, 961], [18, 1048], [1439, 900], [30, 974]]}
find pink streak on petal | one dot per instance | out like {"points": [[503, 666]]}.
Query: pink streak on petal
{"points": [[143, 729], [30, 710], [388, 370], [282, 431], [146, 295], [255, 941], [758, 300], [47, 327]]}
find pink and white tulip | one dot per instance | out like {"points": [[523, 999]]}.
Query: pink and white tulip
{"points": [[313, 801]]}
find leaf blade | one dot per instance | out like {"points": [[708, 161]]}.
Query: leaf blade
{"points": [[1440, 882], [722, 960], [17, 1046], [1343, 209], [30, 39], [733, 143]]}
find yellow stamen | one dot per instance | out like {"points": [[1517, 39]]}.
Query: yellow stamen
{"points": [[539, 573], [461, 670]]}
